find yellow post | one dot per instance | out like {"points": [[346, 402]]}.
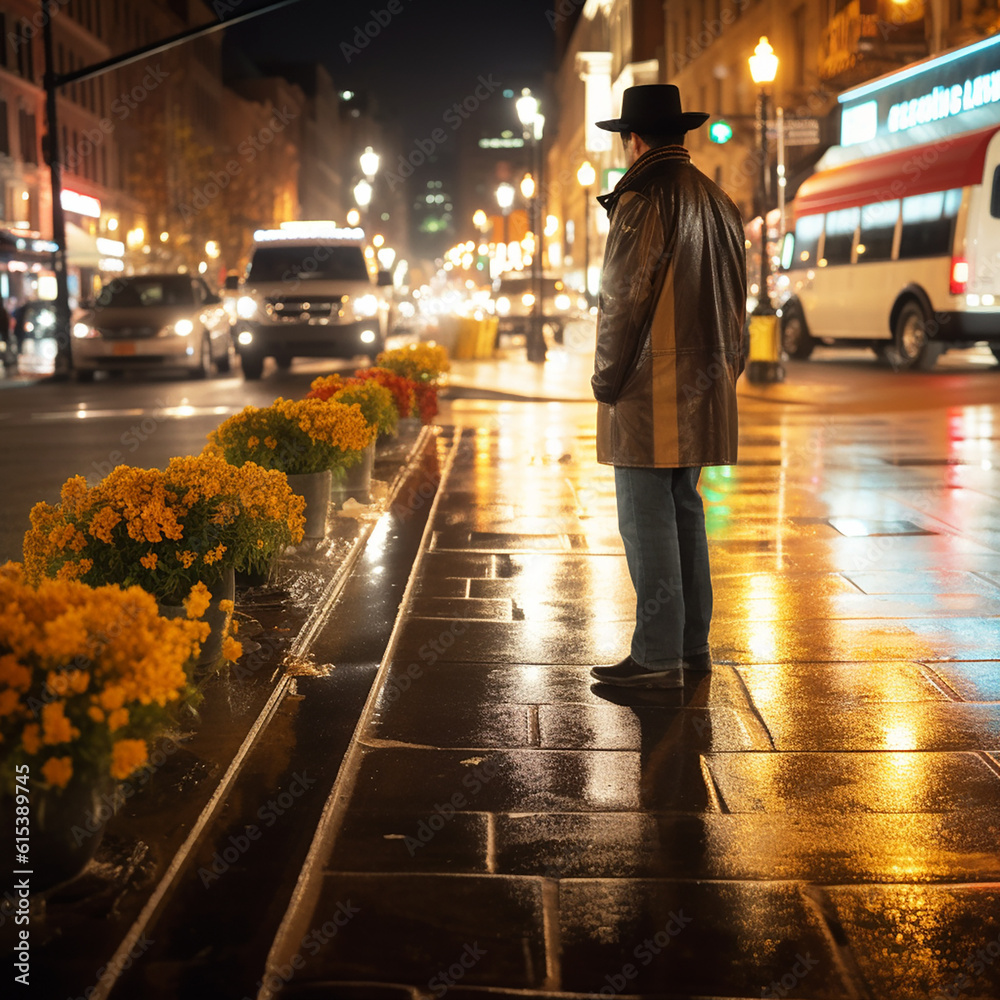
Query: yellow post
{"points": [[764, 361]]}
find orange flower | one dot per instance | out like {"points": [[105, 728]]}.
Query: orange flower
{"points": [[57, 771], [197, 602], [56, 727], [231, 649], [31, 738], [117, 719], [127, 756]]}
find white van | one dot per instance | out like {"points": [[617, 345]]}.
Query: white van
{"points": [[311, 290], [898, 252]]}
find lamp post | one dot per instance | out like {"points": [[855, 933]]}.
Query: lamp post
{"points": [[532, 122], [765, 356], [586, 175]]}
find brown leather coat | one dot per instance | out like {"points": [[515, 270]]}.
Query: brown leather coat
{"points": [[670, 319]]}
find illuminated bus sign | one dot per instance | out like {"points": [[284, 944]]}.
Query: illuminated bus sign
{"points": [[957, 91]]}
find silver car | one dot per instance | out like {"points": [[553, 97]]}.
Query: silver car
{"points": [[149, 321]]}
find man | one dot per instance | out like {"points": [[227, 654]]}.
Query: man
{"points": [[669, 352]]}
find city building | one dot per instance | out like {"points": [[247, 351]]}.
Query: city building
{"points": [[823, 47]]}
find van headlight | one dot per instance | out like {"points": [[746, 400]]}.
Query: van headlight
{"points": [[183, 328], [83, 331], [366, 305], [246, 307]]}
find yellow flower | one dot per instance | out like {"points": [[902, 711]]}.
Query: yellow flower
{"points": [[117, 719], [214, 555], [30, 738], [127, 756], [253, 441], [95, 713], [149, 560], [56, 728], [111, 697], [57, 771], [231, 649], [9, 701], [197, 602]]}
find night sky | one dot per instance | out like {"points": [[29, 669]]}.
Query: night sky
{"points": [[428, 54]]}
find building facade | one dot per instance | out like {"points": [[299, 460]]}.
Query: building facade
{"points": [[823, 46]]}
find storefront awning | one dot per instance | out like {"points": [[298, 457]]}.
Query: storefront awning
{"points": [[81, 248]]}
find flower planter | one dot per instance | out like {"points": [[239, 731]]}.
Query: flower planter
{"points": [[66, 829], [315, 488], [218, 620], [356, 481]]}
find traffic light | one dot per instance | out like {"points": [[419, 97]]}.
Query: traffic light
{"points": [[720, 131]]}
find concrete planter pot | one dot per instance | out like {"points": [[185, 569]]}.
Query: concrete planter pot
{"points": [[315, 488]]}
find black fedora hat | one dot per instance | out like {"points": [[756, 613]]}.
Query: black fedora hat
{"points": [[654, 109]]}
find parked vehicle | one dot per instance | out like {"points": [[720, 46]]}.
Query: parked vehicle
{"points": [[514, 303], [310, 291], [153, 321]]}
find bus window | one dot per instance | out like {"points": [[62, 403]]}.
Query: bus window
{"points": [[878, 226], [808, 230], [840, 226], [995, 197], [928, 224]]}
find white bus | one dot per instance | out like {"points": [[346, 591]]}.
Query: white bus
{"points": [[898, 252]]}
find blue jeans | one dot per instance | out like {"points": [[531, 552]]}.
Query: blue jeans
{"points": [[662, 523]]}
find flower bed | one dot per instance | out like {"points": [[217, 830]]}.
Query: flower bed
{"points": [[88, 677], [294, 436], [375, 401], [164, 531]]}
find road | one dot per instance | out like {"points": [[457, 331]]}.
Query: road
{"points": [[54, 430]]}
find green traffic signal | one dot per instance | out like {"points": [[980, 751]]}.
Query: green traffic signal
{"points": [[720, 131]]}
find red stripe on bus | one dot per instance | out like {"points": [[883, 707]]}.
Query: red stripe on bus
{"points": [[951, 162]]}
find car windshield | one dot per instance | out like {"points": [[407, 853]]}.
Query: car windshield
{"points": [[132, 293], [328, 263]]}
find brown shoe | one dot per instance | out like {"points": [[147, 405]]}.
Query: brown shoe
{"points": [[628, 673], [701, 662]]}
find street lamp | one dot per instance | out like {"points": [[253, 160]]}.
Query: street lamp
{"points": [[363, 195], [505, 198], [586, 175], [765, 361], [369, 162], [532, 122]]}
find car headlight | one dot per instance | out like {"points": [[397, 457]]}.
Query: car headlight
{"points": [[183, 327], [83, 331], [366, 305], [503, 305], [563, 302], [246, 307]]}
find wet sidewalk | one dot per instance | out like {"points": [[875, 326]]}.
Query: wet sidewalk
{"points": [[818, 818]]}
